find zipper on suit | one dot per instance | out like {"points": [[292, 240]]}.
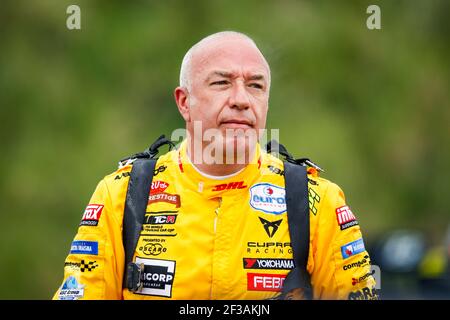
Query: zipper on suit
{"points": [[216, 211]]}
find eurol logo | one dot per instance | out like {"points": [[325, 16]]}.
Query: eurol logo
{"points": [[268, 198], [352, 248], [158, 186]]}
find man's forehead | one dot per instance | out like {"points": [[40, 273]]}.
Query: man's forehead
{"points": [[233, 73], [230, 55]]}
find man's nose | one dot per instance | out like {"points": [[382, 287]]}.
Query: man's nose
{"points": [[239, 97]]}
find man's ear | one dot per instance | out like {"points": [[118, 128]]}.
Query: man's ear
{"points": [[182, 99]]}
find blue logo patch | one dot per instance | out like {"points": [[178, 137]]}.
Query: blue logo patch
{"points": [[84, 247], [71, 289], [352, 248], [268, 198]]}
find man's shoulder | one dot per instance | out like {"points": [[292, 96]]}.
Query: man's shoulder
{"points": [[123, 172], [272, 163], [322, 185], [315, 180]]}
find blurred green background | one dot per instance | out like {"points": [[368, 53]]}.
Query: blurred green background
{"points": [[372, 107]]}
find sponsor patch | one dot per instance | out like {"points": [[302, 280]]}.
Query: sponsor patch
{"points": [[122, 175], [165, 197], [82, 266], [71, 289], [276, 264], [345, 217], [270, 227], [157, 277], [364, 294], [159, 170], [153, 249], [362, 279], [268, 198], [276, 170], [313, 199], [159, 240], [160, 219], [265, 282], [352, 248], [230, 186], [91, 215], [84, 247], [268, 248], [160, 223], [158, 186], [361, 263]]}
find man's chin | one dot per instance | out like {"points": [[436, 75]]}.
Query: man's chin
{"points": [[238, 149]]}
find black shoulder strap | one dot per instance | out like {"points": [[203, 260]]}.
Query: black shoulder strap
{"points": [[135, 205], [297, 283], [136, 200], [296, 184]]}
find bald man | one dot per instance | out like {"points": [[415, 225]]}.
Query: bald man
{"points": [[215, 223], [224, 89]]}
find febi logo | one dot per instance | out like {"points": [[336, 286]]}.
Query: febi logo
{"points": [[352, 248], [268, 198], [265, 282]]}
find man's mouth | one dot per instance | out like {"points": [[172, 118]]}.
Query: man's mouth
{"points": [[236, 124]]}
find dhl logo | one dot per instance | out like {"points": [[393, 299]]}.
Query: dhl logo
{"points": [[230, 186]]}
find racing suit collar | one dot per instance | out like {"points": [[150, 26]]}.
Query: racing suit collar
{"points": [[213, 187]]}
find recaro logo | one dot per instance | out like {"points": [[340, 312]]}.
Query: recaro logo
{"points": [[230, 186]]}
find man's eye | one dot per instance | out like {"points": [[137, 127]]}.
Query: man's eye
{"points": [[255, 85], [221, 82]]}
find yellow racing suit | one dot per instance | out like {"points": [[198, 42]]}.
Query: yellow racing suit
{"points": [[210, 238]]}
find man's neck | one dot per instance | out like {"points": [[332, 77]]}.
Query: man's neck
{"points": [[219, 170]]}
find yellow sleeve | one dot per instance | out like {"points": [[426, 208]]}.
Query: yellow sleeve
{"points": [[95, 264], [338, 261]]}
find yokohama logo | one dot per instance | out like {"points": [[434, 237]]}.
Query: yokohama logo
{"points": [[91, 215], [280, 264], [265, 282], [345, 217], [230, 186]]}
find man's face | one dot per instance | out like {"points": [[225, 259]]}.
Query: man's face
{"points": [[229, 88]]}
